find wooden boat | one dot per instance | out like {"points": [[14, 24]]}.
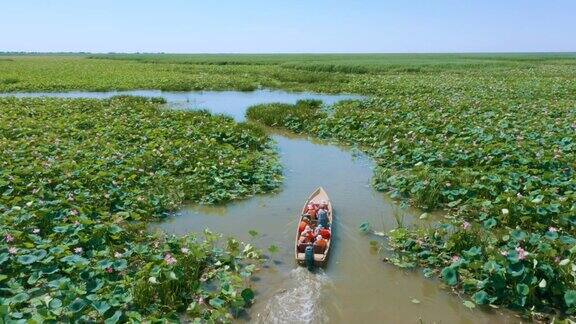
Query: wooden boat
{"points": [[320, 259]]}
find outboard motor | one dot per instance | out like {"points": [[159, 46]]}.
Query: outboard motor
{"points": [[309, 257]]}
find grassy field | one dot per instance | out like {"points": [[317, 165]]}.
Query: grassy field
{"points": [[79, 180], [489, 137]]}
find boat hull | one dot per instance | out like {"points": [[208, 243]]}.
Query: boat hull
{"points": [[320, 259]]}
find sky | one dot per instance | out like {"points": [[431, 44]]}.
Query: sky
{"points": [[290, 26]]}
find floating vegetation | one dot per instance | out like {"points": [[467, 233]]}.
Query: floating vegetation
{"points": [[292, 117], [79, 179]]}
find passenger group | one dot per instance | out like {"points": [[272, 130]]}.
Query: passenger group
{"points": [[314, 229]]}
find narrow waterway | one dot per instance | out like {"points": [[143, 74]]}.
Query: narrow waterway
{"points": [[356, 285]]}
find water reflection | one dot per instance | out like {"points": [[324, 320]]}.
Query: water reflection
{"points": [[231, 103]]}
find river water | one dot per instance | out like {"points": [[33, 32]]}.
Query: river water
{"points": [[356, 285]]}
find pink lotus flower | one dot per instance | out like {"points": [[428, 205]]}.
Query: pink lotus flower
{"points": [[466, 225], [117, 255], [522, 254], [76, 223], [109, 270], [455, 258], [78, 250], [36, 231], [552, 229], [74, 212], [12, 250], [9, 238], [504, 253], [169, 259], [185, 250]]}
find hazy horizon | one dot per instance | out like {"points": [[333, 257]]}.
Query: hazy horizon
{"points": [[287, 53]]}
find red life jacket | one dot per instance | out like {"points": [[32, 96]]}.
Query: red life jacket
{"points": [[311, 236], [325, 233]]}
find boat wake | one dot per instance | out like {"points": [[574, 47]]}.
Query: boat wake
{"points": [[300, 301]]}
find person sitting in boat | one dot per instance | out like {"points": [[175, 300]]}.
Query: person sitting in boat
{"points": [[323, 205], [309, 233], [320, 244], [325, 233], [323, 218], [305, 222], [303, 242], [317, 230], [311, 210]]}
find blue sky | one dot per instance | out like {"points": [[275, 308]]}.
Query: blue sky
{"points": [[288, 26]]}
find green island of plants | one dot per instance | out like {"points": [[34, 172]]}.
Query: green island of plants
{"points": [[505, 173], [79, 181]]}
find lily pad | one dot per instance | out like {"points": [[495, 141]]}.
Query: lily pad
{"points": [[570, 298], [450, 276], [247, 295], [523, 289], [114, 318], [216, 302], [27, 259], [481, 297], [77, 305]]}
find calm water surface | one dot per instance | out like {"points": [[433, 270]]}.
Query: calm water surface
{"points": [[356, 286]]}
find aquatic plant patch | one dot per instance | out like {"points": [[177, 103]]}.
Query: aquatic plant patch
{"points": [[488, 136], [80, 73], [79, 180], [505, 172], [436, 77]]}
